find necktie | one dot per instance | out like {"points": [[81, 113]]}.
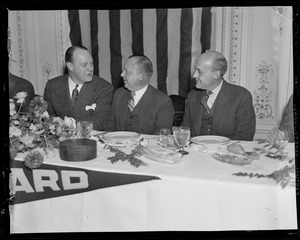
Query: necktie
{"points": [[131, 104], [204, 100], [74, 95]]}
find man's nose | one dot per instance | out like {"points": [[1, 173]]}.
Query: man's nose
{"points": [[195, 75]]}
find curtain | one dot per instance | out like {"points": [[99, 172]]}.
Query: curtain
{"points": [[171, 38]]}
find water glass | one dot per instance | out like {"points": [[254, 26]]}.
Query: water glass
{"points": [[282, 140], [164, 136], [84, 129], [67, 133], [181, 136], [279, 139]]}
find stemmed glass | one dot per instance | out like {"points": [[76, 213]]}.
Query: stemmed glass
{"points": [[279, 139], [181, 136]]}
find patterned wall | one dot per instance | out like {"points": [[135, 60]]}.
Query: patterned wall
{"points": [[257, 42], [39, 40]]}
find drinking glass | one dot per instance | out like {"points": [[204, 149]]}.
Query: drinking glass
{"points": [[164, 135], [279, 139], [281, 142], [84, 129], [181, 136], [67, 133]]}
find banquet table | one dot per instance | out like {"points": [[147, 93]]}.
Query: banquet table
{"points": [[199, 193]]}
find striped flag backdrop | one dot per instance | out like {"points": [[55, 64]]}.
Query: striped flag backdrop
{"points": [[171, 38]]}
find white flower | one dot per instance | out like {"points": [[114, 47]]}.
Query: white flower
{"points": [[58, 130], [21, 96], [93, 106], [52, 128], [12, 107], [14, 131], [16, 122], [32, 127], [70, 122], [27, 139], [58, 120], [45, 114]]}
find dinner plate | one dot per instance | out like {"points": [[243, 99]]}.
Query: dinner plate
{"points": [[120, 136], [161, 154], [210, 140]]}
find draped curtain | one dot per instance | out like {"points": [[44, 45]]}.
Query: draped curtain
{"points": [[171, 38]]}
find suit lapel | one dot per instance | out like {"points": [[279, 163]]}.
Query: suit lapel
{"points": [[221, 102], [123, 108], [144, 99], [85, 95], [63, 95], [196, 105]]}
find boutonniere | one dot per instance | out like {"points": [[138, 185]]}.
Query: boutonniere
{"points": [[93, 106]]}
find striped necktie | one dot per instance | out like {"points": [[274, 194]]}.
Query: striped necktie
{"points": [[131, 104], [74, 95], [204, 100]]}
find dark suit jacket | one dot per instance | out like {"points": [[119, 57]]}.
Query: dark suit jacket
{"points": [[155, 111], [234, 115], [97, 91], [287, 121], [16, 85]]}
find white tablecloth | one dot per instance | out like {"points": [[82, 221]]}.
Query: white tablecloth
{"points": [[197, 194]]}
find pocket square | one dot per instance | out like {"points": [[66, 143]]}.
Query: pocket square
{"points": [[93, 106]]}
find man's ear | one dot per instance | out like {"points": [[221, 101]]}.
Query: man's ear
{"points": [[216, 74], [70, 66], [140, 77]]}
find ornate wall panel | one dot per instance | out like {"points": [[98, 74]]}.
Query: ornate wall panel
{"points": [[257, 41], [15, 24], [44, 36]]}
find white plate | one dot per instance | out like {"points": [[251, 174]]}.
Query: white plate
{"points": [[210, 140], [121, 136], [160, 154]]}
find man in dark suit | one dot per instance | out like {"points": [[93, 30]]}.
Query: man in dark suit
{"points": [[80, 94], [217, 107], [148, 109], [287, 121], [18, 84], [286, 124]]}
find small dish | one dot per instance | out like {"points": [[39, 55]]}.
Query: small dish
{"points": [[210, 140]]}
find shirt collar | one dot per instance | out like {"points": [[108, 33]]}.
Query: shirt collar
{"points": [[217, 89], [72, 85], [139, 94]]}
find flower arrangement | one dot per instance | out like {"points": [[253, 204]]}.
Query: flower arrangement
{"points": [[34, 132]]}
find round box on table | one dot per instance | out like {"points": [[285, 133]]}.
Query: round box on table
{"points": [[78, 149]]}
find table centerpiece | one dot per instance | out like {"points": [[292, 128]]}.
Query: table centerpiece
{"points": [[34, 132]]}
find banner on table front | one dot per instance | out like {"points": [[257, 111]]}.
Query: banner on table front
{"points": [[171, 38], [50, 181]]}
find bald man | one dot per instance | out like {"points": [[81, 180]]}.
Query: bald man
{"points": [[217, 107]]}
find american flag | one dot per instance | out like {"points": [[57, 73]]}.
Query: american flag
{"points": [[171, 38]]}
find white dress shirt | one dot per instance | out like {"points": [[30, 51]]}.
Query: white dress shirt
{"points": [[138, 95], [213, 96], [72, 86]]}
